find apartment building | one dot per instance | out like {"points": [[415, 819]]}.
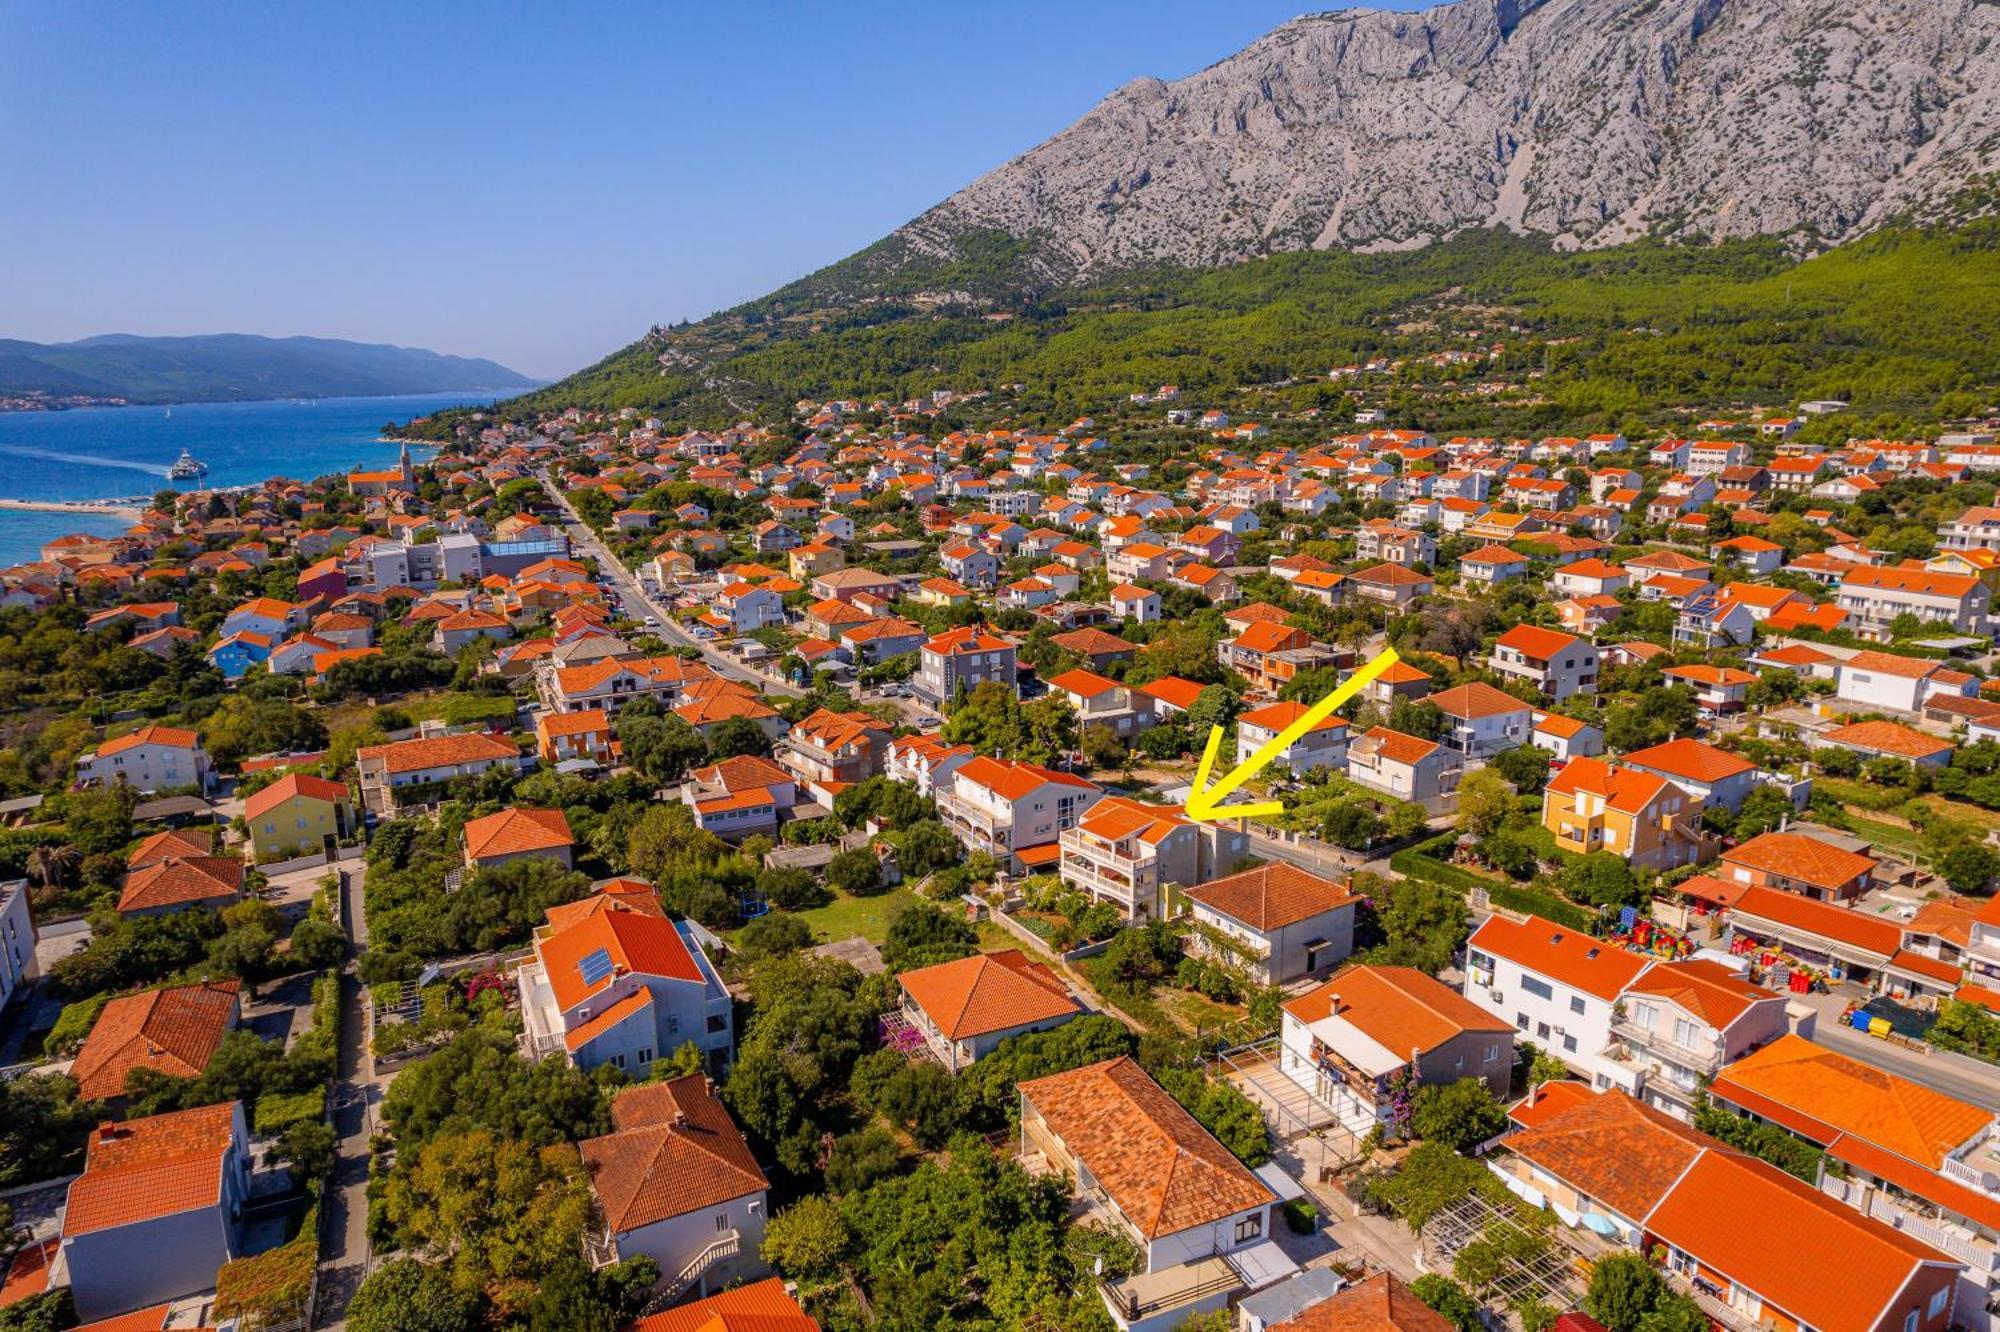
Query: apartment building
{"points": [[1404, 766], [1557, 664], [1592, 806], [1558, 986], [1013, 810], [1131, 854], [1874, 596], [1481, 721], [1324, 746], [1794, 862], [152, 758], [1352, 1041], [963, 658], [403, 770], [1681, 1023]]}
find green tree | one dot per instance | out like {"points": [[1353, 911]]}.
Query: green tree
{"points": [[807, 1240], [1449, 1300], [922, 934], [792, 889], [1624, 1287], [1969, 868], [1415, 924], [404, 1295], [736, 736], [1460, 1114], [1485, 801], [664, 748], [857, 872]]}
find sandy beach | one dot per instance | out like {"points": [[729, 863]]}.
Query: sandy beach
{"points": [[108, 508]]}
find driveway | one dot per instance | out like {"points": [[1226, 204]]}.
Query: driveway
{"points": [[345, 1256]]}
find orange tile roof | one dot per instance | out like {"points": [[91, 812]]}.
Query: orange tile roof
{"points": [[178, 882], [1720, 676], [1264, 636], [1381, 1303], [674, 1150], [762, 1306], [1887, 737], [1844, 925], [636, 941], [1011, 779], [1836, 1268], [171, 844], [1399, 1008], [1277, 716], [1708, 990], [27, 1272], [988, 992], [1560, 953], [148, 1168], [1396, 746], [1163, 1170], [1612, 1148], [171, 736], [293, 784], [1691, 759], [1477, 699], [1272, 896], [1084, 684], [1796, 856], [1173, 690], [515, 831], [1624, 789], [1819, 1094], [743, 772], [587, 721], [440, 751], [172, 1030], [1535, 642]]}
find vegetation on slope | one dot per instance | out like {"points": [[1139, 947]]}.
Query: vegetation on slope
{"points": [[1900, 322]]}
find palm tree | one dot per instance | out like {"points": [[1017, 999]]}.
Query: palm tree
{"points": [[52, 865]]}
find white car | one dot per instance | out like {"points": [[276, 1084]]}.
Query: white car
{"points": [[652, 621]]}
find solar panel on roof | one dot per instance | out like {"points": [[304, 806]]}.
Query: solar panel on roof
{"points": [[595, 966]]}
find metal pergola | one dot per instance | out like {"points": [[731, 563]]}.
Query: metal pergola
{"points": [[1553, 1276]]}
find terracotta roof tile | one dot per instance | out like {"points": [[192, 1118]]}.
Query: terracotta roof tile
{"points": [[149, 1168], [172, 1030], [1272, 896], [1399, 1008], [515, 831], [1561, 953], [674, 1150], [988, 992], [1165, 1172]]}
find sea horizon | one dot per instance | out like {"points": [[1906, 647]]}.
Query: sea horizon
{"points": [[105, 453]]}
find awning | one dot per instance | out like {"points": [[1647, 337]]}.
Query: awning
{"points": [[1279, 1182], [1262, 1264]]}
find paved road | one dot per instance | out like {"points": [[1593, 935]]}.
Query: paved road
{"points": [[585, 542], [345, 1255]]}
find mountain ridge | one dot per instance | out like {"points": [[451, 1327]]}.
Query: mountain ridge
{"points": [[1593, 122], [236, 367]]}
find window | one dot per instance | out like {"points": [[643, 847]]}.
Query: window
{"points": [[1492, 1053], [1521, 1021], [1576, 1004], [1540, 989], [1542, 1030], [1938, 1298], [1910, 1321], [1686, 1034], [1569, 1044], [1249, 1227], [645, 1055], [722, 1220]]}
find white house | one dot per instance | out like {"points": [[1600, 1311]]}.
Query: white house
{"points": [[965, 1008], [613, 981], [1324, 746], [1014, 810], [17, 940], [152, 758], [1904, 684], [1278, 922], [1557, 986], [1200, 1216], [1557, 664], [675, 1181]]}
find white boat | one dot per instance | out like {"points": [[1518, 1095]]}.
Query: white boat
{"points": [[187, 467]]}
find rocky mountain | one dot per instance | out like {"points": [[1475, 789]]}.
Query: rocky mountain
{"points": [[237, 367], [1589, 121]]}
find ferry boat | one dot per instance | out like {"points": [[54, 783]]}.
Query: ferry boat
{"points": [[187, 467]]}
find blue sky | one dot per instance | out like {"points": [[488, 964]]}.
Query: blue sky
{"points": [[532, 183]]}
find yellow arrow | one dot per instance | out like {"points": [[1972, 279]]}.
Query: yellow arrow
{"points": [[1205, 802]]}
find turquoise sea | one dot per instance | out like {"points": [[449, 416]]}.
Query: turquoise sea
{"points": [[117, 452]]}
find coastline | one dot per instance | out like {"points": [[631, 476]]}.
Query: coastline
{"points": [[103, 508]]}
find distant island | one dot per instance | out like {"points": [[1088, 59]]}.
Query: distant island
{"points": [[120, 369]]}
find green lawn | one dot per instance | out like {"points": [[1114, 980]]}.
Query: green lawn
{"points": [[845, 917]]}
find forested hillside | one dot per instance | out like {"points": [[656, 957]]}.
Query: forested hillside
{"points": [[1893, 322]]}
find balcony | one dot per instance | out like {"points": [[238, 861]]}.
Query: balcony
{"points": [[982, 823], [1146, 1295], [1705, 1058]]}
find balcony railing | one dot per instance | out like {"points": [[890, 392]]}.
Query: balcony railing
{"points": [[1705, 1058]]}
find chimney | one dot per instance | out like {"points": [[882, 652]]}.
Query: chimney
{"points": [[1333, 1003]]}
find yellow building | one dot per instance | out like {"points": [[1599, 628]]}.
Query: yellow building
{"points": [[1596, 806], [815, 558], [295, 815]]}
